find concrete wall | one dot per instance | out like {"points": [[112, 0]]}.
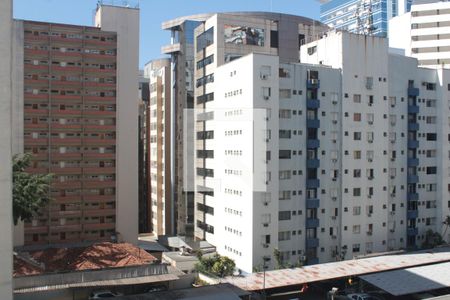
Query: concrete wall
{"points": [[17, 107], [125, 21], [5, 149]]}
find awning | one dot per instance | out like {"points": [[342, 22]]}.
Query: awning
{"points": [[412, 280]]}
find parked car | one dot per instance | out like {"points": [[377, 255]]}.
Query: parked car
{"points": [[103, 294], [362, 296]]}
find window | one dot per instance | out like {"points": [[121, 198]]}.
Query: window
{"points": [[284, 236], [431, 136], [284, 154], [357, 98], [284, 215], [431, 170], [284, 195], [356, 229], [356, 210], [283, 175], [357, 136], [284, 134], [274, 39], [355, 247], [284, 113], [357, 154], [356, 192], [356, 173], [285, 93], [357, 117]]}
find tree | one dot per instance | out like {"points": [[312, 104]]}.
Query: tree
{"points": [[217, 265], [278, 259], [432, 239], [30, 191]]}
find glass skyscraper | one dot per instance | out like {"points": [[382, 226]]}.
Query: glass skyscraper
{"points": [[362, 16]]}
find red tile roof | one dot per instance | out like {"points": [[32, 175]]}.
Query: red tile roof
{"points": [[97, 256]]}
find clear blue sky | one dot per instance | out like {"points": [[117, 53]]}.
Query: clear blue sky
{"points": [[153, 13]]}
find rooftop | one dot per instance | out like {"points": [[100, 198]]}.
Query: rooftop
{"points": [[97, 256]]}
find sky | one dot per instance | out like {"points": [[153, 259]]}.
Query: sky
{"points": [[153, 13]]}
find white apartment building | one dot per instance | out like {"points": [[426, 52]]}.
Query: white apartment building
{"points": [[424, 33], [349, 158]]}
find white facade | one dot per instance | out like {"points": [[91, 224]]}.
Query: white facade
{"points": [[424, 33], [125, 21], [6, 85], [356, 162]]}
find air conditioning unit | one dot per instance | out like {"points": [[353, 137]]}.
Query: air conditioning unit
{"points": [[334, 160], [370, 122], [369, 214], [267, 118], [334, 141], [334, 237], [333, 217], [267, 140], [369, 196], [334, 121], [370, 104], [266, 203], [266, 224], [392, 176], [370, 159], [266, 97], [392, 230], [264, 76], [392, 195], [334, 102], [314, 81], [392, 158], [267, 183], [334, 198], [369, 232], [392, 141], [334, 179], [392, 213], [265, 245], [370, 177], [370, 141]]}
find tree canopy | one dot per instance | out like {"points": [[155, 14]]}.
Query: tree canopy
{"points": [[30, 191], [217, 265]]}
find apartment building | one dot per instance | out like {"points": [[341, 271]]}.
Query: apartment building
{"points": [[362, 16], [181, 51], [80, 92], [158, 144], [424, 33], [341, 155], [6, 96]]}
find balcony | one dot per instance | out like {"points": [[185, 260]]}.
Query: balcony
{"points": [[412, 196], [69, 83], [172, 48], [312, 203], [95, 56], [34, 126], [99, 198], [66, 112], [312, 261], [66, 127], [31, 96], [413, 126], [98, 99], [413, 144], [66, 98], [99, 170], [99, 184], [35, 142], [312, 103], [100, 42], [68, 199], [99, 212], [65, 228], [312, 83], [99, 226], [71, 170], [312, 223], [312, 183], [314, 123], [96, 128], [36, 82], [66, 141], [66, 214], [413, 179], [413, 162], [62, 69], [413, 109], [99, 84], [312, 242], [36, 52], [35, 229], [102, 142], [28, 67], [313, 163], [35, 112], [96, 155], [67, 185], [111, 72], [66, 40], [412, 214], [412, 231], [100, 113], [312, 143], [413, 92]]}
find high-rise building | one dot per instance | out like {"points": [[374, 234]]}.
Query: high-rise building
{"points": [[158, 144], [181, 51], [362, 16], [341, 155], [80, 114], [6, 109], [423, 33]]}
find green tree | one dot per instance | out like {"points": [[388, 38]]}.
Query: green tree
{"points": [[217, 265], [278, 260], [30, 191], [432, 239]]}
